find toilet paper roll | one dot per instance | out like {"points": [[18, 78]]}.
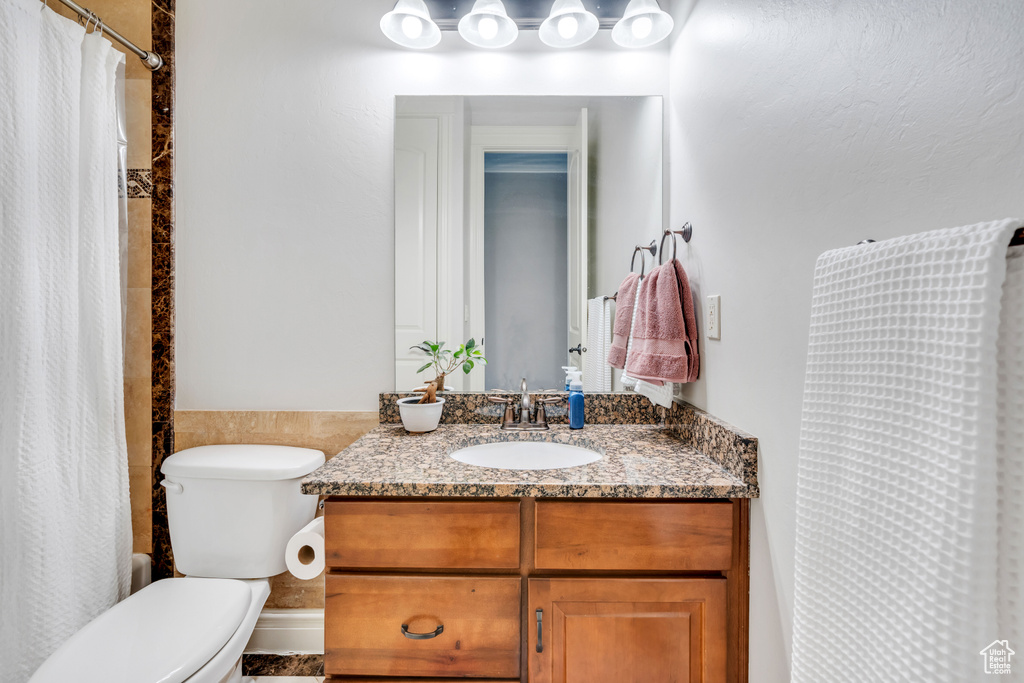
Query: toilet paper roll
{"points": [[304, 554]]}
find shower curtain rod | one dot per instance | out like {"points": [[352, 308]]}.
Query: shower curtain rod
{"points": [[152, 60]]}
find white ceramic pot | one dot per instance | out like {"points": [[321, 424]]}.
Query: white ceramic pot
{"points": [[420, 417]]}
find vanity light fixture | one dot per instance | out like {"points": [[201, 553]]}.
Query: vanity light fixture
{"points": [[568, 25], [409, 24], [488, 25], [642, 24]]}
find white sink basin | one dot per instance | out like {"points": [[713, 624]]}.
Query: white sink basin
{"points": [[525, 455]]}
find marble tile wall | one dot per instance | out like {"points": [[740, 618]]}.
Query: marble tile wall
{"points": [[132, 19], [162, 276], [328, 431], [281, 666]]}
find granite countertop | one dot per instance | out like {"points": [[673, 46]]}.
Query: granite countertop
{"points": [[640, 461]]}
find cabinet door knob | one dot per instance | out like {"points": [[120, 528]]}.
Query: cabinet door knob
{"points": [[422, 636], [540, 630]]}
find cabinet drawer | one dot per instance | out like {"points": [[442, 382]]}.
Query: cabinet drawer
{"points": [[364, 636], [666, 536], [422, 535]]}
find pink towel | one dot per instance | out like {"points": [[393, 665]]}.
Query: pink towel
{"points": [[665, 329], [623, 319]]}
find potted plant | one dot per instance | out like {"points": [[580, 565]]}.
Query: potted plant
{"points": [[445, 361], [423, 413]]}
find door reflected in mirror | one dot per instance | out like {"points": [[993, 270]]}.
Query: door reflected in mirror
{"points": [[510, 213]]}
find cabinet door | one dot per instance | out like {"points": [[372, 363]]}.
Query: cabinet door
{"points": [[627, 630]]}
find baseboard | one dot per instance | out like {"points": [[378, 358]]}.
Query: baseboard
{"points": [[288, 632]]}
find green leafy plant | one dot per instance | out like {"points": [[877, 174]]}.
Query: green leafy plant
{"points": [[445, 361]]}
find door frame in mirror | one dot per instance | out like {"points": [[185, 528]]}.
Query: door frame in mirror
{"points": [[485, 139], [447, 249]]}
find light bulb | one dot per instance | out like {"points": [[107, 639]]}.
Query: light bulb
{"points": [[641, 27], [488, 28], [412, 27], [568, 26]]}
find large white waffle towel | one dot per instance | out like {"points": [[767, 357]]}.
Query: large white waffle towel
{"points": [[1010, 453], [897, 534]]}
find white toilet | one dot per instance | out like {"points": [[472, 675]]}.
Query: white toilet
{"points": [[231, 510]]}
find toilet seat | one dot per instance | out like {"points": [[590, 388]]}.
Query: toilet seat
{"points": [[163, 634]]}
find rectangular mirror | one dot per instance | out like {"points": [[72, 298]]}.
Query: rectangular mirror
{"points": [[510, 214]]}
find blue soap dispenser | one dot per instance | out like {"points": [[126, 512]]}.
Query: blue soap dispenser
{"points": [[576, 404]]}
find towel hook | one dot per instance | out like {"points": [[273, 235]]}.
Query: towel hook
{"points": [[643, 261], [686, 232]]}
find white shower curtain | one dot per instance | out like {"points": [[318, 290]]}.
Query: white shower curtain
{"points": [[65, 527]]}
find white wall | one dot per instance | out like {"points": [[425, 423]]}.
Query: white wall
{"points": [[625, 186], [626, 183], [284, 188], [798, 126]]}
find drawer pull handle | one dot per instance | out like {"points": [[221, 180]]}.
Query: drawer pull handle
{"points": [[422, 636], [540, 630]]}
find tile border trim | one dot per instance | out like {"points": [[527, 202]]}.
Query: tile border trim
{"points": [[140, 183]]}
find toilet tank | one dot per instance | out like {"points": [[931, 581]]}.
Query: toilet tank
{"points": [[231, 509]]}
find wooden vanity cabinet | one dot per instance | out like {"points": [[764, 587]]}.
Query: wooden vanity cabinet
{"points": [[625, 591]]}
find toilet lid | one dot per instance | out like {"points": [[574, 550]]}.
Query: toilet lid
{"points": [[162, 634], [243, 461]]}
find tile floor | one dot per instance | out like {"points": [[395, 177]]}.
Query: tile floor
{"points": [[288, 679]]}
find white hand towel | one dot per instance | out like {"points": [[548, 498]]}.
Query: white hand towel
{"points": [[896, 518], [660, 396], [597, 374]]}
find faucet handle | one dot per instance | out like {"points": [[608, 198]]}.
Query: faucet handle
{"points": [[544, 399], [507, 400]]}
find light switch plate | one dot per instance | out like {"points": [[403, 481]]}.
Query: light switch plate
{"points": [[713, 316]]}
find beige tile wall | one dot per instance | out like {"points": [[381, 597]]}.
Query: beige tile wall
{"points": [[329, 432], [132, 19]]}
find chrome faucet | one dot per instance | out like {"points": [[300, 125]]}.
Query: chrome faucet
{"points": [[524, 407], [526, 403]]}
